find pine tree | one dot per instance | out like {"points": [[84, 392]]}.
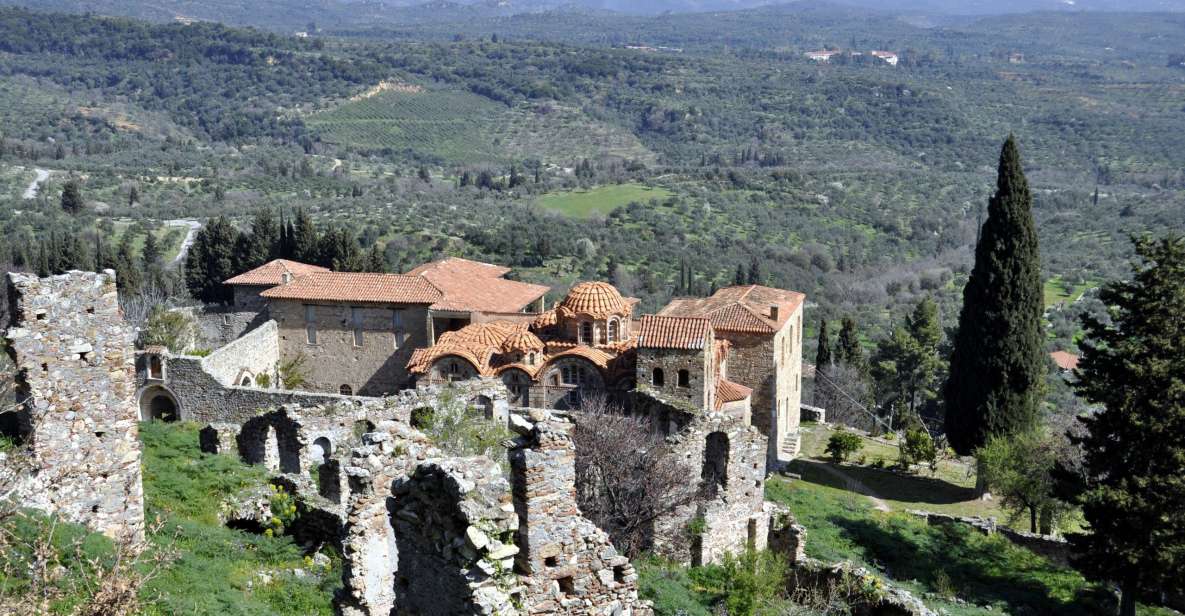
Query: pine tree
{"points": [[1132, 492], [306, 246], [848, 348], [997, 369], [738, 279], [152, 254], [72, 198], [128, 271], [823, 353], [211, 260]]}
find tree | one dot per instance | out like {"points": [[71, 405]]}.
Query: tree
{"points": [[997, 367], [151, 254], [261, 244], [738, 279], [755, 275], [1132, 485], [842, 445], [1018, 468], [133, 196], [627, 476], [211, 260], [848, 349], [303, 235], [424, 175], [823, 352], [918, 446], [129, 277], [907, 365], [72, 202]]}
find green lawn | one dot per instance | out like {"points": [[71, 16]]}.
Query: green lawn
{"points": [[600, 200], [950, 562], [1058, 291]]}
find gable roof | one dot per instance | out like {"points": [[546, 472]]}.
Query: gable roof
{"points": [[1065, 360], [745, 309], [272, 273], [471, 286], [663, 332], [358, 288]]}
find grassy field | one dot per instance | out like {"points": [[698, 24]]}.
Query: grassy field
{"points": [[958, 571], [1058, 291], [600, 200]]}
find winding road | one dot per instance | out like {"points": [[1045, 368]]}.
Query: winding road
{"points": [[194, 227], [35, 185]]}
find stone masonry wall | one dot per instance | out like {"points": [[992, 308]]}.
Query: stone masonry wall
{"points": [[75, 361], [257, 352], [701, 386]]}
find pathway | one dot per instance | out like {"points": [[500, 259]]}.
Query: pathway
{"points": [[35, 185], [194, 226], [854, 485]]}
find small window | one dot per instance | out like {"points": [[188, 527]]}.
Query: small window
{"points": [[397, 319], [310, 332], [684, 378], [567, 585], [246, 382], [586, 333], [310, 327], [531, 359], [614, 333], [572, 375], [657, 378], [356, 321], [345, 390], [399, 338], [155, 368]]}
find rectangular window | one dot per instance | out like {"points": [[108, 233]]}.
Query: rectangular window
{"points": [[310, 324], [399, 335], [400, 338], [356, 321], [397, 319]]}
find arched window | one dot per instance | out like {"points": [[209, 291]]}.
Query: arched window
{"points": [[155, 368], [572, 375], [246, 382], [614, 333], [531, 359], [684, 378], [657, 378], [586, 332], [345, 390], [714, 475]]}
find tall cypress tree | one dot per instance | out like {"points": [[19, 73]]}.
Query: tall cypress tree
{"points": [[211, 260], [823, 353], [847, 347], [305, 243], [1133, 489], [997, 368]]}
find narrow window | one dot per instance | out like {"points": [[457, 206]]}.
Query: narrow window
{"points": [[614, 334], [657, 378], [310, 324], [397, 325], [684, 378], [586, 333], [345, 390], [356, 320], [155, 368], [531, 359]]}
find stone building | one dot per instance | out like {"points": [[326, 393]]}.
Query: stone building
{"points": [[763, 327], [249, 286], [584, 345], [680, 358], [74, 356]]}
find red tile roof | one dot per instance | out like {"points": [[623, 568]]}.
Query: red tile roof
{"points": [[471, 286], [1065, 360], [658, 332], [744, 309], [727, 391], [599, 300], [272, 273], [357, 288]]}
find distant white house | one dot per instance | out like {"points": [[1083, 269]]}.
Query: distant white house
{"points": [[889, 57], [821, 56]]}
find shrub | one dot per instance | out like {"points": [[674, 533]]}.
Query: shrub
{"points": [[171, 329], [744, 584], [292, 372], [918, 447], [460, 431], [843, 444], [263, 379]]}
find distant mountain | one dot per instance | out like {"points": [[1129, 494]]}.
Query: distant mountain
{"points": [[1001, 7]]}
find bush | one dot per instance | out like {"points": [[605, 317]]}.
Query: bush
{"points": [[169, 328], [460, 430], [843, 444], [918, 447], [744, 584]]}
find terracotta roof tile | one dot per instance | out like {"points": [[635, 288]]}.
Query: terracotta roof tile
{"points": [[1065, 360], [357, 288], [599, 300], [727, 391], [744, 309], [659, 332], [272, 273], [471, 286]]}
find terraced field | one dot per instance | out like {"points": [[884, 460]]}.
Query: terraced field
{"points": [[600, 200]]}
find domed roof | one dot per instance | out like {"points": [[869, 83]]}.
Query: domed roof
{"points": [[598, 300], [522, 341], [484, 334]]}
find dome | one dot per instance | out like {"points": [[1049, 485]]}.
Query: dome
{"points": [[599, 300], [523, 342], [484, 334]]}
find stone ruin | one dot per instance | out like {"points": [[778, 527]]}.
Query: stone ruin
{"points": [[74, 355]]}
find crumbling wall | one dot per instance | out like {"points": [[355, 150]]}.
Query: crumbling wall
{"points": [[256, 353], [75, 361], [568, 565]]}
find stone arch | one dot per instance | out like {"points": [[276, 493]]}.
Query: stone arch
{"points": [[714, 476], [321, 450], [271, 440], [483, 404], [245, 378], [518, 384], [453, 368], [573, 376], [159, 402], [345, 390]]}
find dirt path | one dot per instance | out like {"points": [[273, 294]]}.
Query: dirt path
{"points": [[35, 185], [854, 485], [194, 226]]}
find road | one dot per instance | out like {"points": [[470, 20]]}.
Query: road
{"points": [[194, 227], [35, 185]]}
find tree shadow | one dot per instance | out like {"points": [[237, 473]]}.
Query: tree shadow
{"points": [[981, 570], [883, 484]]}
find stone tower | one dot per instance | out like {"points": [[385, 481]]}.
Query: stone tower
{"points": [[75, 375]]}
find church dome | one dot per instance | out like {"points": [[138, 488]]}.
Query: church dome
{"points": [[599, 300], [523, 342]]}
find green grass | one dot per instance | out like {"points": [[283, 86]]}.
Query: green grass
{"points": [[600, 200], [217, 569], [1058, 291]]}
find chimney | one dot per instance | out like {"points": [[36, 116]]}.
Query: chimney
{"points": [[285, 278], [773, 312]]}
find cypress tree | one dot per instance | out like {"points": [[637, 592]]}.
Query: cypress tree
{"points": [[997, 368], [738, 279], [755, 276], [211, 260], [823, 353], [305, 244], [128, 272], [848, 347], [152, 253], [1132, 490], [72, 198]]}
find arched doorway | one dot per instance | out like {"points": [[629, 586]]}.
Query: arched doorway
{"points": [[159, 403]]}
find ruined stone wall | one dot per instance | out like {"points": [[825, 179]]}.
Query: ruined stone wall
{"points": [[378, 366], [218, 325], [256, 353], [568, 564], [75, 361], [750, 363]]}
